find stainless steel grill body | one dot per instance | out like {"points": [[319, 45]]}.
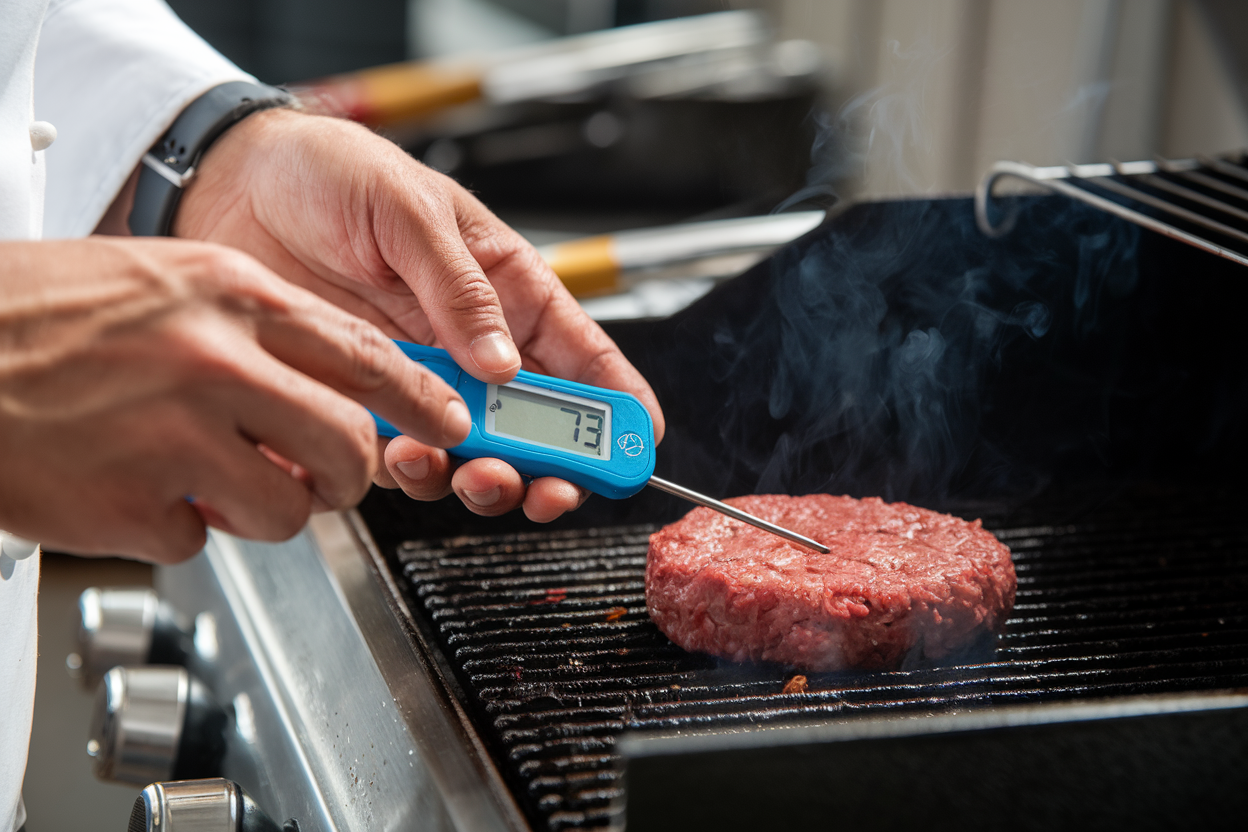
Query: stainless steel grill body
{"points": [[337, 720]]}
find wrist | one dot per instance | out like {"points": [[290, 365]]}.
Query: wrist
{"points": [[172, 162], [226, 170]]}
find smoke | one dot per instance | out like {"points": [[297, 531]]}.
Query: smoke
{"points": [[827, 165], [898, 352], [874, 134], [868, 366], [1087, 107]]}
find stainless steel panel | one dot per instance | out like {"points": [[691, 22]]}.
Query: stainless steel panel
{"points": [[317, 733]]}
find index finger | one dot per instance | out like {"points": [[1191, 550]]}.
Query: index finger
{"points": [[354, 357], [358, 360]]}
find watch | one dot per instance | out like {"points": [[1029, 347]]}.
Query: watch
{"points": [[170, 165]]}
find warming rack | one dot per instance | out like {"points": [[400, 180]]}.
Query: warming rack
{"points": [[1202, 202]]}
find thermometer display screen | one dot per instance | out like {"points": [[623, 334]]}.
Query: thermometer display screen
{"points": [[566, 423]]}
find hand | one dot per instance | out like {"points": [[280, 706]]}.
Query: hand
{"points": [[135, 374], [340, 211]]}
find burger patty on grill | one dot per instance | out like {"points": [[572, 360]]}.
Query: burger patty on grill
{"points": [[901, 584]]}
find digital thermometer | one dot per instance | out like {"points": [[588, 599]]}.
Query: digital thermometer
{"points": [[599, 439]]}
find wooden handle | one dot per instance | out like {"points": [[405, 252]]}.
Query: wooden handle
{"points": [[395, 93], [586, 267]]}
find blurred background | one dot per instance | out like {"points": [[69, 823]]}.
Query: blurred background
{"points": [[583, 118], [953, 84], [652, 147], [575, 119]]}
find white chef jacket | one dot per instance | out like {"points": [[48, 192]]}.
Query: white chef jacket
{"points": [[110, 76]]}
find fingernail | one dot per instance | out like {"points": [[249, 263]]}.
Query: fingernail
{"points": [[456, 422], [495, 353], [485, 499], [414, 469]]}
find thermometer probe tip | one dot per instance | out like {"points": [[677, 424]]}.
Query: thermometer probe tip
{"points": [[736, 514]]}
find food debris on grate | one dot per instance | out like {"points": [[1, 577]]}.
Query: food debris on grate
{"points": [[548, 637], [798, 684]]}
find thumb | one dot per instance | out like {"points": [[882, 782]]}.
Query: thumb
{"points": [[462, 307]]}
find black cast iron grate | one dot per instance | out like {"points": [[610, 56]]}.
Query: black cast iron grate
{"points": [[547, 634]]}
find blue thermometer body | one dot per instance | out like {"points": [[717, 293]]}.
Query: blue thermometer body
{"points": [[599, 439]]}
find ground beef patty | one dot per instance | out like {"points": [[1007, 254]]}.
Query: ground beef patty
{"points": [[899, 582]]}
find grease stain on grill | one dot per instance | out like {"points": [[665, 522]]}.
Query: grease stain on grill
{"points": [[548, 637]]}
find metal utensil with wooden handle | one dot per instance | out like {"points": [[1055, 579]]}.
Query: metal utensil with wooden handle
{"points": [[401, 92], [607, 263]]}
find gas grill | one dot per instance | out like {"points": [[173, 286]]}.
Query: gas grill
{"points": [[1078, 383], [1099, 442]]}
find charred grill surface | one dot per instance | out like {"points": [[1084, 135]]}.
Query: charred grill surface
{"points": [[549, 642]]}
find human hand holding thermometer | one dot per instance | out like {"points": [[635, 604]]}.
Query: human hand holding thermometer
{"points": [[599, 439]]}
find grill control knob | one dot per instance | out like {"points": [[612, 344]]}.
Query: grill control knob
{"points": [[155, 723], [125, 626], [214, 805]]}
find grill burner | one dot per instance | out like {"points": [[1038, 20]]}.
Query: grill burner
{"points": [[550, 647]]}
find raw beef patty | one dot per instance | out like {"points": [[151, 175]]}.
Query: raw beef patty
{"points": [[900, 584]]}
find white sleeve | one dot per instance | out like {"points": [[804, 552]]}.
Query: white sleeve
{"points": [[111, 76]]}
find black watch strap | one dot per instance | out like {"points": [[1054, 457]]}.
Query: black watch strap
{"points": [[170, 165]]}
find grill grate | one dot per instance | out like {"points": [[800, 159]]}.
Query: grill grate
{"points": [[548, 635]]}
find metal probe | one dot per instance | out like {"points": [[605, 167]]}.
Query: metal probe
{"points": [[736, 513]]}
